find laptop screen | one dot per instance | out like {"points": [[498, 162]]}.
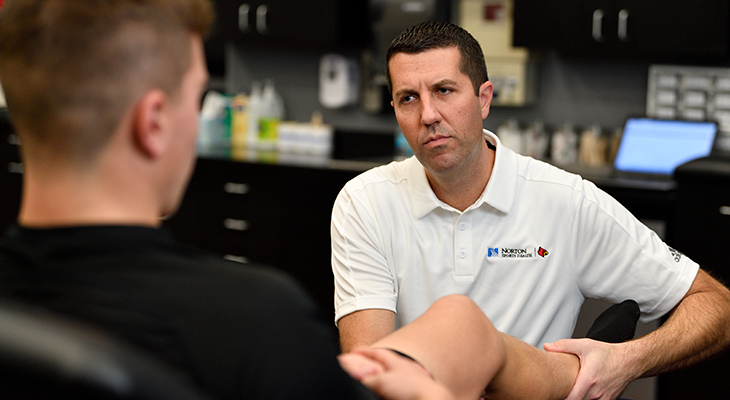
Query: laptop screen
{"points": [[654, 146]]}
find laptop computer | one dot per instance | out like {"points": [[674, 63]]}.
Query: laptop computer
{"points": [[652, 148]]}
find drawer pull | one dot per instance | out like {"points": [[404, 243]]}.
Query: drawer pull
{"points": [[235, 224], [15, 168], [236, 188], [13, 139], [725, 210]]}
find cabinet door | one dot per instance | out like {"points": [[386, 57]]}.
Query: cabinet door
{"points": [[673, 27], [540, 23], [655, 29], [571, 26], [275, 215], [702, 227], [590, 28], [321, 24]]}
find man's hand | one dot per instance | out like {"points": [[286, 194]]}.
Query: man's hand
{"points": [[604, 370], [391, 376], [696, 329]]}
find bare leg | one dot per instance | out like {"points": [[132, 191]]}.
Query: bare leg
{"points": [[531, 373], [460, 347], [455, 342]]}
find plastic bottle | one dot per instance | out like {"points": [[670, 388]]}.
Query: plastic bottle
{"points": [[254, 113], [592, 148], [320, 136], [239, 121], [214, 122], [511, 137], [564, 149], [271, 113], [537, 141]]}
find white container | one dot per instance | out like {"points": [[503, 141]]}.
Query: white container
{"points": [[254, 112]]}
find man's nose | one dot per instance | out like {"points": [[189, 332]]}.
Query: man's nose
{"points": [[429, 112]]}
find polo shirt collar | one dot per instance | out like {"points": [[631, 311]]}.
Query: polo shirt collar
{"points": [[423, 199], [499, 192]]}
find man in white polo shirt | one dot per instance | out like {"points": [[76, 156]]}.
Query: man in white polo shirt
{"points": [[526, 241]]}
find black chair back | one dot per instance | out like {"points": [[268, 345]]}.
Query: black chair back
{"points": [[44, 356]]}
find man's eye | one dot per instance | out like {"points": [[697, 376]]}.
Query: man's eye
{"points": [[444, 90], [406, 99]]}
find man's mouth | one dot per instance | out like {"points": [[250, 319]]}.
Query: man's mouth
{"points": [[436, 140]]}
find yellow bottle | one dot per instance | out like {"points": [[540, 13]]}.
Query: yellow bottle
{"points": [[239, 121]]}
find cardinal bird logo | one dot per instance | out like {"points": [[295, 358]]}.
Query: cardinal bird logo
{"points": [[542, 252]]}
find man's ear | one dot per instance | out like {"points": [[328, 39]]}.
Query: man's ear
{"points": [[150, 123], [486, 91]]}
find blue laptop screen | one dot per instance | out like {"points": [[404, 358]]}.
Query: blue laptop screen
{"points": [[659, 146]]}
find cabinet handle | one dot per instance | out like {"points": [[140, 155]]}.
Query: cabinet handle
{"points": [[725, 210], [236, 188], [15, 167], [243, 12], [598, 25], [623, 25], [13, 139], [235, 224], [261, 12]]}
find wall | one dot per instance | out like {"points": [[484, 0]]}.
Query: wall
{"points": [[581, 91], [296, 75]]}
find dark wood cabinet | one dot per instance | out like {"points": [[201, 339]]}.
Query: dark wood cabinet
{"points": [[702, 228], [645, 29], [278, 215], [293, 24]]}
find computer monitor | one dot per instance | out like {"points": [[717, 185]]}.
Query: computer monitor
{"points": [[656, 146]]}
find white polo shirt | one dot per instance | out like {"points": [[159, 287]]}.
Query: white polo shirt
{"points": [[535, 244]]}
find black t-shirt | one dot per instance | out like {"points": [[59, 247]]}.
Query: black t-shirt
{"points": [[237, 331]]}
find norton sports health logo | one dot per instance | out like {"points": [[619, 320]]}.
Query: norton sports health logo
{"points": [[516, 252]]}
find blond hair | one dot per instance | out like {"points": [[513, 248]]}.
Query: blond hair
{"points": [[72, 68]]}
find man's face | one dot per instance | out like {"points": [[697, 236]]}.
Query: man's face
{"points": [[184, 115], [436, 108]]}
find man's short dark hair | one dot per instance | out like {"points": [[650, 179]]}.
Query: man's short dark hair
{"points": [[436, 35]]}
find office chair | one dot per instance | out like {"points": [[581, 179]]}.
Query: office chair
{"points": [[616, 324], [44, 356]]}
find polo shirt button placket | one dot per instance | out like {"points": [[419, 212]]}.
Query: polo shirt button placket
{"points": [[462, 247]]}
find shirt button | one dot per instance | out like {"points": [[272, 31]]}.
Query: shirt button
{"points": [[462, 226], [462, 254]]}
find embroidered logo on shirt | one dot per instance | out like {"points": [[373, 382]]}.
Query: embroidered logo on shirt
{"points": [[676, 254], [516, 252]]}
